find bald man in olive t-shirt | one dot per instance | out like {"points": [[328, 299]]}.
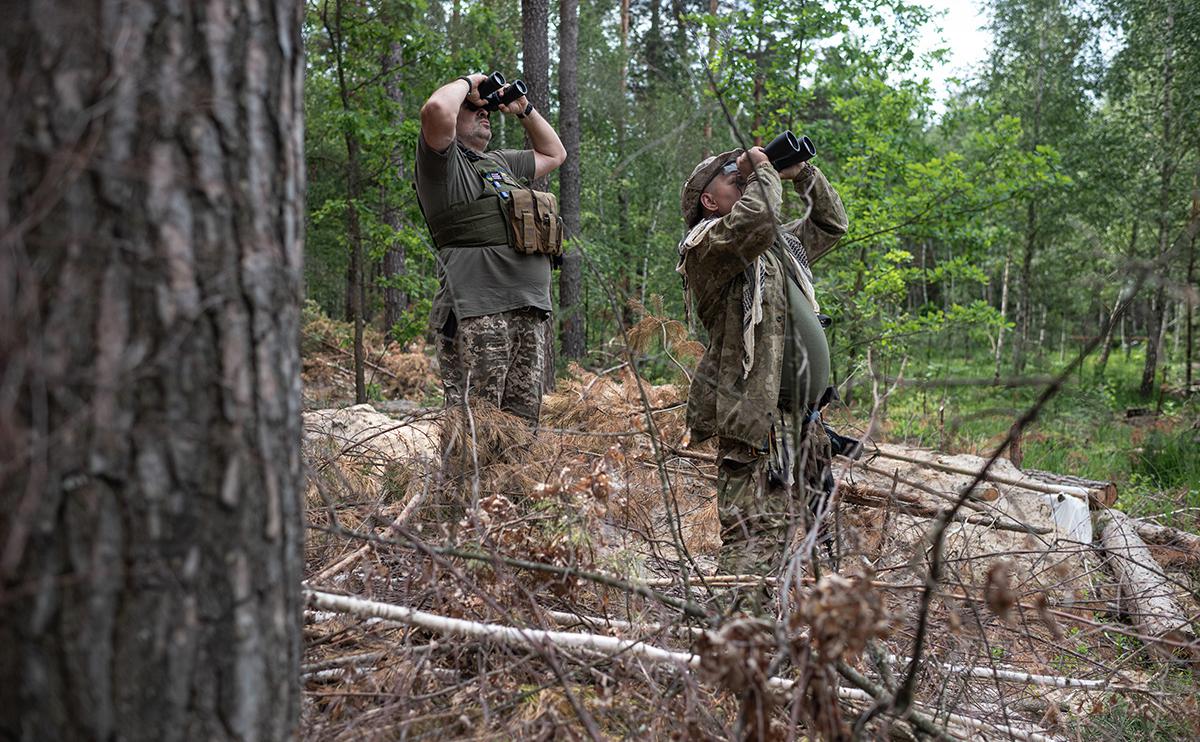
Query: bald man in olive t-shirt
{"points": [[491, 300]]}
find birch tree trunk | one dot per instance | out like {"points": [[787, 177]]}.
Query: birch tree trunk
{"points": [[1003, 313], [151, 217]]}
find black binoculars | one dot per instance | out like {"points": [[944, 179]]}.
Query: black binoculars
{"points": [[494, 95], [787, 149]]}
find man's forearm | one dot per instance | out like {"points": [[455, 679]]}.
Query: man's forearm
{"points": [[548, 149], [439, 115]]}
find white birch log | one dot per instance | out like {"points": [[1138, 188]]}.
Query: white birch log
{"points": [[1145, 594]]}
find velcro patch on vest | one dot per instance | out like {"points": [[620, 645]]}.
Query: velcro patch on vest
{"points": [[496, 179]]}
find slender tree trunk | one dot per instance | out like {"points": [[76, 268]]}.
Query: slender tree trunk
{"points": [[150, 477], [1025, 297], [355, 285], [1190, 292], [395, 299], [712, 55], [625, 280], [570, 277], [760, 73], [1117, 309], [1003, 313], [535, 20], [1166, 174], [535, 53]]}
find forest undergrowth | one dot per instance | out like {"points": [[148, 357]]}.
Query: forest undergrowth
{"points": [[578, 563]]}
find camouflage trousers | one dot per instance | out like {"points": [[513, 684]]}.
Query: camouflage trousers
{"points": [[497, 358], [767, 498]]}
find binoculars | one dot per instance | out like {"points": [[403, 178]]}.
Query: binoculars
{"points": [[787, 149], [494, 95]]}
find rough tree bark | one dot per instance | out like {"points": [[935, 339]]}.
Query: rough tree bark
{"points": [[395, 299], [535, 64], [535, 52], [151, 217], [570, 278], [355, 283]]}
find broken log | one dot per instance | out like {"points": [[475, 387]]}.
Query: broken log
{"points": [[1183, 547], [1098, 491], [1028, 483], [1145, 594], [858, 493]]}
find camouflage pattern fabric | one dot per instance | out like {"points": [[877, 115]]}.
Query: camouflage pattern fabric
{"points": [[758, 510], [497, 358], [724, 400]]}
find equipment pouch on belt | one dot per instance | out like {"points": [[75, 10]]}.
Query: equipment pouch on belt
{"points": [[536, 225]]}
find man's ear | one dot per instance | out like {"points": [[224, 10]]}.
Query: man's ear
{"points": [[707, 202]]}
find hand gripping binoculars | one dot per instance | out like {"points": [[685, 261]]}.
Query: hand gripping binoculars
{"points": [[787, 149], [494, 95]]}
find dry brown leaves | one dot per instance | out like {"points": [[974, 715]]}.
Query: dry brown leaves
{"points": [[843, 613]]}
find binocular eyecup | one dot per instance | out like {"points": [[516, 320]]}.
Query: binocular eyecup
{"points": [[494, 94], [787, 150]]}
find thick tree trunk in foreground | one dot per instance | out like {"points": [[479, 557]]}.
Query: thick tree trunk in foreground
{"points": [[151, 181], [570, 278]]}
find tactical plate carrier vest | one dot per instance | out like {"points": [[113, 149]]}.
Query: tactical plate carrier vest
{"points": [[527, 219]]}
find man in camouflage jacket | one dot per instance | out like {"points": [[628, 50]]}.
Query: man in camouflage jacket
{"points": [[737, 260]]}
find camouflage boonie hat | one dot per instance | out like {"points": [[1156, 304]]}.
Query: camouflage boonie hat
{"points": [[702, 175]]}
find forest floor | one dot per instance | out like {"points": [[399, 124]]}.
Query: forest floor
{"points": [[579, 565]]}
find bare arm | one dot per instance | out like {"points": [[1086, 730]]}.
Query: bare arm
{"points": [[439, 115], [548, 150]]}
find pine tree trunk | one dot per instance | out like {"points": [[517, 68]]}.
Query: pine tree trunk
{"points": [[1025, 297], [355, 285], [151, 217], [570, 278], [395, 299], [1166, 173], [535, 54]]}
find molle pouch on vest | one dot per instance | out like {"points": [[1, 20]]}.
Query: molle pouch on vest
{"points": [[536, 225]]}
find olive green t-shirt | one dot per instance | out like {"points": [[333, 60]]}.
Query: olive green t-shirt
{"points": [[805, 353], [490, 278]]}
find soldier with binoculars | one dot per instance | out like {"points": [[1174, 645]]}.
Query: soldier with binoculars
{"points": [[764, 377], [495, 240]]}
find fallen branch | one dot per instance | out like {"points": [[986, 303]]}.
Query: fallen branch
{"points": [[1104, 492], [349, 560], [608, 645]]}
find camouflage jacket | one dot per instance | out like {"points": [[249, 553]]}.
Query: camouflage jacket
{"points": [[721, 400]]}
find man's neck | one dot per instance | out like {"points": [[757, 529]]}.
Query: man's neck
{"points": [[479, 150]]}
